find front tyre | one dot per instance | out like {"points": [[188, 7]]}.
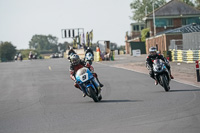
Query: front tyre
{"points": [[165, 82], [100, 97], [93, 94]]}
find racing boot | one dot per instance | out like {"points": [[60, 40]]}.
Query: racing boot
{"points": [[84, 94], [171, 76], [101, 85], [156, 82], [78, 87]]}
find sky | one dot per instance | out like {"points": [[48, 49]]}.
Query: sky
{"points": [[21, 19]]}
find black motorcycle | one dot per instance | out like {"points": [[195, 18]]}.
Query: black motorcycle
{"points": [[16, 57], [30, 57], [20, 57], [162, 74]]}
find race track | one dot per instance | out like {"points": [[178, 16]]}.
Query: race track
{"points": [[39, 97]]}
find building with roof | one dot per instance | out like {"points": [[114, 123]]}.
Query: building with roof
{"points": [[135, 35], [172, 20], [173, 38], [136, 29], [133, 41]]}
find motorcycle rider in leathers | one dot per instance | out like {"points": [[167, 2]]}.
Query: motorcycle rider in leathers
{"points": [[149, 62], [71, 52], [76, 64], [89, 50]]}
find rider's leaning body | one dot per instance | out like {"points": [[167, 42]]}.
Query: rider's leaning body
{"points": [[76, 64], [149, 62]]}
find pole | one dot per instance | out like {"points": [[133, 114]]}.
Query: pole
{"points": [[197, 71], [146, 11], [154, 21]]}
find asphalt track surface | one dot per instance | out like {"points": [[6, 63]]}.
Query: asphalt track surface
{"points": [[39, 97]]}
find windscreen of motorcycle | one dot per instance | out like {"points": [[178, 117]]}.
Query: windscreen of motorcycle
{"points": [[158, 62], [158, 65], [82, 75], [81, 71]]}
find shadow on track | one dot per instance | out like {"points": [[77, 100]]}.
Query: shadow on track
{"points": [[119, 101], [184, 90]]}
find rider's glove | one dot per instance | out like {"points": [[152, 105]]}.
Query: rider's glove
{"points": [[149, 67], [92, 69]]}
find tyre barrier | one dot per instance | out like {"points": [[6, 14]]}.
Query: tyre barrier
{"points": [[121, 52], [188, 56]]}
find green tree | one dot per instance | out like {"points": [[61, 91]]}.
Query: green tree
{"points": [[93, 47], [189, 2], [113, 46], [197, 3], [138, 8], [43, 42], [7, 51], [145, 34], [121, 47], [64, 46]]}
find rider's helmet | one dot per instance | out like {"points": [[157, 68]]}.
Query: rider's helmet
{"points": [[70, 48], [75, 60], [88, 49], [153, 51]]}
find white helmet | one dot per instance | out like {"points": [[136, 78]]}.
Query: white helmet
{"points": [[152, 49], [70, 47]]}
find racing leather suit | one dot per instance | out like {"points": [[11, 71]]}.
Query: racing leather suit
{"points": [[75, 68], [149, 63]]}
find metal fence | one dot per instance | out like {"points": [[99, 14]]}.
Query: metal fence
{"points": [[191, 41], [176, 44]]}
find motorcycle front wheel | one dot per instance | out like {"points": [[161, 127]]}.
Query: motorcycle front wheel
{"points": [[100, 97], [165, 82], [93, 94]]}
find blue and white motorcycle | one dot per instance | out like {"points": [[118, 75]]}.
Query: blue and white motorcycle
{"points": [[89, 58], [88, 84]]}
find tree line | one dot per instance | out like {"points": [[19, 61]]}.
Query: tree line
{"points": [[40, 44]]}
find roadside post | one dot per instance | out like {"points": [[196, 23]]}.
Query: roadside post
{"points": [[197, 71]]}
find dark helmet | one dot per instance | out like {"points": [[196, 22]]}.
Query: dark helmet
{"points": [[70, 48], [75, 59]]}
